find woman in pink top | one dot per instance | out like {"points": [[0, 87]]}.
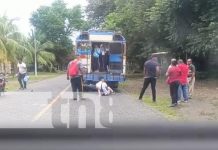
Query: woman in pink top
{"points": [[173, 79]]}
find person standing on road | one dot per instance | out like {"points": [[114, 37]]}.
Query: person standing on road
{"points": [[191, 77], [173, 79], [21, 73], [151, 71], [183, 87], [74, 74]]}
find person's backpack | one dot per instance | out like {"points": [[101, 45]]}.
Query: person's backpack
{"points": [[73, 68]]}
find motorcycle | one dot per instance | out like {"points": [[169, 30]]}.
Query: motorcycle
{"points": [[2, 83]]}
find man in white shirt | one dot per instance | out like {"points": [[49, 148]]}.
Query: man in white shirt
{"points": [[103, 88], [22, 70]]}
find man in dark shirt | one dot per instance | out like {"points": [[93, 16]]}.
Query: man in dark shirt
{"points": [[151, 71]]}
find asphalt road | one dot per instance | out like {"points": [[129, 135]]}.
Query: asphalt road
{"points": [[49, 104]]}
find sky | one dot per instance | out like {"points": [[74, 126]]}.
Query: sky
{"points": [[20, 10]]}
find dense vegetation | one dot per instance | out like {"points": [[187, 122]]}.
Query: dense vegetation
{"points": [[184, 28], [14, 46], [57, 22], [51, 37]]}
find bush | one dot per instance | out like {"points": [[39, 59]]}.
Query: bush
{"points": [[213, 74], [202, 75]]}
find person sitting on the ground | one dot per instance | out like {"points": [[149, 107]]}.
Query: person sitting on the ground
{"points": [[103, 88]]}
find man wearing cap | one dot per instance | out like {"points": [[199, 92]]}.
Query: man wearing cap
{"points": [[151, 71]]}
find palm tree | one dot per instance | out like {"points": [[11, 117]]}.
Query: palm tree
{"points": [[11, 42], [44, 57]]}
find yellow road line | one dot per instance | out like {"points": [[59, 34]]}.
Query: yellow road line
{"points": [[44, 110]]}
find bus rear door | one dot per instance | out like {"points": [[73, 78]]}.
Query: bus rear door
{"points": [[116, 58]]}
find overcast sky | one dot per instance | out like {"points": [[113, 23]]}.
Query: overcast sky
{"points": [[21, 10]]}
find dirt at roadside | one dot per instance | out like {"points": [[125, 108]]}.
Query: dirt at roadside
{"points": [[202, 107]]}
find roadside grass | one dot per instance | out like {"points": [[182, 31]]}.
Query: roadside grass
{"points": [[13, 84], [162, 104]]}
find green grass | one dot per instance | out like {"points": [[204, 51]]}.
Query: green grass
{"points": [[13, 84], [162, 105]]}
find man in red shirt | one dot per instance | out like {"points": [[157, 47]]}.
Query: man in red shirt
{"points": [[183, 87], [174, 74]]}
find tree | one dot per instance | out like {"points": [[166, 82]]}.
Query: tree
{"points": [[97, 10], [182, 27], [12, 43], [130, 18], [57, 23], [44, 57]]}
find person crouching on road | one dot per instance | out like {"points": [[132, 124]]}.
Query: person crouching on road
{"points": [[103, 88], [74, 73], [173, 79]]}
